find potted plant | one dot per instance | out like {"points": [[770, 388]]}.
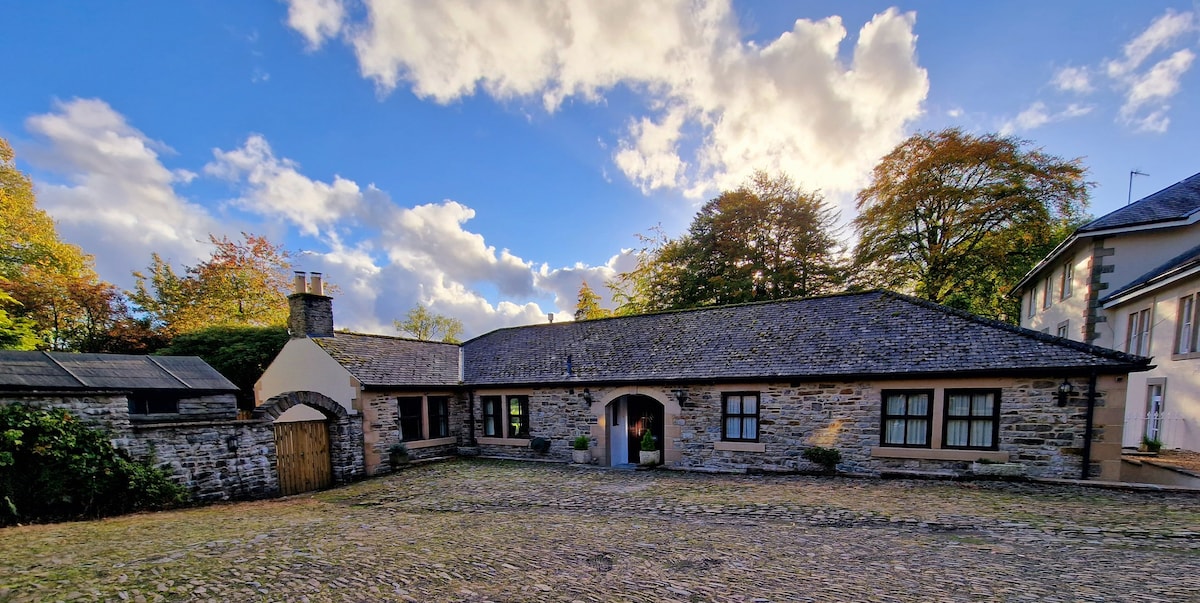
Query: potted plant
{"points": [[650, 453], [827, 458], [580, 453], [398, 455], [1151, 445]]}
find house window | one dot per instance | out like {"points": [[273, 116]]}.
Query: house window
{"points": [[410, 418], [1064, 329], [1064, 285], [518, 416], [739, 417], [1155, 403], [1046, 298], [972, 419], [1031, 309], [493, 415], [439, 416], [145, 404], [907, 418], [1189, 319], [1137, 337]]}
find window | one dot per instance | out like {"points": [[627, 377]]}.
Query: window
{"points": [[972, 419], [518, 416], [492, 415], [146, 404], [1064, 285], [1137, 337], [1155, 401], [1064, 329], [739, 414], [1046, 298], [410, 418], [907, 418], [1031, 309], [439, 416], [1188, 334]]}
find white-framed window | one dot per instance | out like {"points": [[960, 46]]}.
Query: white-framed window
{"points": [[1065, 281], [1137, 335], [1064, 329], [1031, 307], [1187, 333], [1156, 401], [1047, 299]]}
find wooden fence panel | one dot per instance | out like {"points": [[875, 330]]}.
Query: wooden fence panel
{"points": [[302, 449]]}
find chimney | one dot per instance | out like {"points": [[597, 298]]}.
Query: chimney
{"points": [[310, 310]]}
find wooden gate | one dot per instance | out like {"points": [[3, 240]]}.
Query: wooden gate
{"points": [[302, 452]]}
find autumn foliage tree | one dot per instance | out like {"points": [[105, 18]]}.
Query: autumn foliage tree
{"points": [[243, 283], [588, 306], [957, 218]]}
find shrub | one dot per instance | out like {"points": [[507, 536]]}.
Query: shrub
{"points": [[827, 458], [540, 445], [648, 443], [54, 467], [581, 442]]}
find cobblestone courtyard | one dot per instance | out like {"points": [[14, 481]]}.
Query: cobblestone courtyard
{"points": [[496, 531]]}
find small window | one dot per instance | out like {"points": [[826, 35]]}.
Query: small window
{"points": [[1047, 299], [518, 416], [1064, 329], [907, 418], [410, 418], [439, 416], [492, 416], [972, 419], [739, 414], [1137, 338], [1065, 284], [1189, 319], [147, 404], [1031, 308]]}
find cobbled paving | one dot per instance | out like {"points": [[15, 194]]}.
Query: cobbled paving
{"points": [[504, 531]]}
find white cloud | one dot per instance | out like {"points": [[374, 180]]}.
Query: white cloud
{"points": [[316, 20], [1073, 79], [1038, 115], [119, 201], [719, 107], [1147, 91]]}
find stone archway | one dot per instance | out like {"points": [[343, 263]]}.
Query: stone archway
{"points": [[345, 434]]}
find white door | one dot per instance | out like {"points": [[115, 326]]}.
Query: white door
{"points": [[618, 432], [1154, 410]]}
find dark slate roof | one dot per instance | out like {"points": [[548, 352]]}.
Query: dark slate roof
{"points": [[1184, 261], [871, 334], [1176, 202], [379, 360], [81, 372]]}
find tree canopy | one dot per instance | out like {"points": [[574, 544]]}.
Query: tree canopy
{"points": [[243, 283], [768, 239], [239, 353], [957, 218], [588, 306], [424, 325]]}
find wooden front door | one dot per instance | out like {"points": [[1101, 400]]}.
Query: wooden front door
{"points": [[302, 452]]}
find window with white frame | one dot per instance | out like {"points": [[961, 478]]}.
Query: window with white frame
{"points": [[972, 419], [1046, 297], [1065, 284], [1031, 308], [1187, 334], [739, 417], [1137, 336], [907, 418], [1064, 329]]}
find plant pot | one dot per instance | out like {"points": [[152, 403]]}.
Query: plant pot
{"points": [[581, 457], [649, 457]]}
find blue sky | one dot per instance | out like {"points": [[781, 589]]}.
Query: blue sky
{"points": [[485, 157]]}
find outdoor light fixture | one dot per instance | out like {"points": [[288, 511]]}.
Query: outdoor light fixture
{"points": [[587, 395], [1064, 390], [680, 396]]}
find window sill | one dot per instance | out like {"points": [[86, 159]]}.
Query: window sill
{"points": [[517, 442], [740, 446], [417, 444], [1187, 356], [1000, 456]]}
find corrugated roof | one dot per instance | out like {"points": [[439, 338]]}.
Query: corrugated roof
{"points": [[1174, 203], [874, 333], [1181, 262], [379, 360], [66, 371]]}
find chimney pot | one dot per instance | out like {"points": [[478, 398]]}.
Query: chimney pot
{"points": [[298, 285], [315, 285]]}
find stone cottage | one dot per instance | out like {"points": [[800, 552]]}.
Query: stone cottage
{"points": [[892, 382]]}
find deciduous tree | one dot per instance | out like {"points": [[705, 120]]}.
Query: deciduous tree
{"points": [[424, 325], [588, 306], [958, 218], [241, 354]]}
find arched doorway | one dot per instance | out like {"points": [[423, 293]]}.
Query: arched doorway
{"points": [[313, 454], [629, 417]]}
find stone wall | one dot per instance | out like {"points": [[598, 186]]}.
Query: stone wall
{"points": [[381, 417]]}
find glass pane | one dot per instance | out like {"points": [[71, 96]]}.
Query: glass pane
{"points": [[918, 404], [916, 432], [733, 405], [959, 405], [750, 428], [893, 432], [514, 406], [733, 427], [749, 405], [489, 428], [956, 433], [895, 404], [981, 434], [983, 406]]}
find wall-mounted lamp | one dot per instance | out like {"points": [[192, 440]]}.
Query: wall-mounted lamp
{"points": [[680, 396], [587, 395], [1064, 391]]}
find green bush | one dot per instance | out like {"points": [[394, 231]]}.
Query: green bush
{"points": [[648, 443], [581, 442], [827, 458], [54, 467]]}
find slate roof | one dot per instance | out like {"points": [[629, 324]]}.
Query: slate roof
{"points": [[1184, 261], [121, 372], [857, 335], [1176, 202], [379, 360]]}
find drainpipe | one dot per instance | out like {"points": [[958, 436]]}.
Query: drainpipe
{"points": [[1090, 421], [471, 413]]}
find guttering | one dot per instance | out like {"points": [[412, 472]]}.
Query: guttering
{"points": [[1149, 286]]}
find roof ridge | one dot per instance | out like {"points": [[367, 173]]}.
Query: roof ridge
{"points": [[381, 336], [65, 369]]}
